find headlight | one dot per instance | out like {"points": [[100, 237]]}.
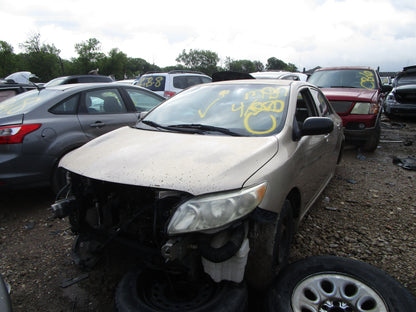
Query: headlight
{"points": [[391, 100], [213, 211], [364, 108]]}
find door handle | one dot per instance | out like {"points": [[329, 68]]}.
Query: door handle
{"points": [[97, 124]]}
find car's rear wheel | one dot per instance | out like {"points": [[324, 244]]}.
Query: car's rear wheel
{"points": [[336, 284], [152, 291]]}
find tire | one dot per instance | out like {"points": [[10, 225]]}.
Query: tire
{"points": [[58, 179], [151, 291], [329, 283], [263, 265], [372, 142]]}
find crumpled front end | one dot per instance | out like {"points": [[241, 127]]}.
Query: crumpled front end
{"points": [[142, 219]]}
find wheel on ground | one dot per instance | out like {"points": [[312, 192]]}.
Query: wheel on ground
{"points": [[372, 142], [152, 291], [336, 284], [270, 247]]}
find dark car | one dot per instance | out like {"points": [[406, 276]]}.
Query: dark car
{"points": [[38, 127], [9, 88], [357, 94], [401, 101], [77, 79]]}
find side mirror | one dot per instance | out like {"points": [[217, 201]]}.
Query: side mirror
{"points": [[142, 115], [386, 88], [317, 126]]}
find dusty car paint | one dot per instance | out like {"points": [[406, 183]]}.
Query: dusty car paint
{"points": [[176, 161]]}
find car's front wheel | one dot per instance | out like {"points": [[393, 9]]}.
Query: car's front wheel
{"points": [[329, 283], [153, 291]]}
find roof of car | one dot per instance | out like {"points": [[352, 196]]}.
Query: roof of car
{"points": [[345, 67], [280, 82]]}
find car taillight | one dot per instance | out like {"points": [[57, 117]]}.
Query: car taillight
{"points": [[169, 94], [15, 134]]}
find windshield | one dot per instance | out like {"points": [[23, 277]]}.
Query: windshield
{"points": [[243, 109], [152, 82], [24, 102], [406, 79], [344, 78]]}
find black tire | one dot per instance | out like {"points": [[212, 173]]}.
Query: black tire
{"points": [[329, 283], [150, 291], [58, 179], [263, 265], [372, 142]]}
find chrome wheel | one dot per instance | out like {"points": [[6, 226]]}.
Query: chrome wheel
{"points": [[335, 293]]}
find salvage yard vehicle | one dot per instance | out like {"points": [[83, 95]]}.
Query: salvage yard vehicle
{"points": [[401, 101], [170, 83], [38, 127], [208, 188], [357, 95]]}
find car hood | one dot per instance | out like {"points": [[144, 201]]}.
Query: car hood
{"points": [[192, 163], [405, 89], [349, 94]]}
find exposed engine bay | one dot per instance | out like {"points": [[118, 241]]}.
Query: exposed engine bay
{"points": [[102, 213]]}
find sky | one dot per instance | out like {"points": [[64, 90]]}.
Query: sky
{"points": [[306, 33]]}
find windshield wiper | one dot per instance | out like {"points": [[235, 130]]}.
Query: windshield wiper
{"points": [[155, 125], [201, 128]]}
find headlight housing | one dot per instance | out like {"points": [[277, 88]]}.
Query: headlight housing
{"points": [[364, 108], [216, 210]]}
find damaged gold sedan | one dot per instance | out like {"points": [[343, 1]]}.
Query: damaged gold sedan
{"points": [[209, 186]]}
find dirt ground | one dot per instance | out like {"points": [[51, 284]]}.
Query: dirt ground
{"points": [[368, 212]]}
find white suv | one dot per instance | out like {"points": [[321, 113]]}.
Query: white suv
{"points": [[168, 84]]}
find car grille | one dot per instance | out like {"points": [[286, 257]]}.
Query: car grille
{"points": [[341, 106], [406, 98]]}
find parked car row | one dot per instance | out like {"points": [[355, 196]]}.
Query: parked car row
{"points": [[38, 127]]}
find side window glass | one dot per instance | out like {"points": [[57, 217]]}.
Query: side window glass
{"points": [[143, 102], [104, 101], [305, 106], [321, 102], [66, 107]]}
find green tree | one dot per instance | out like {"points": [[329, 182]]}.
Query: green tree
{"points": [[39, 58], [275, 64], [115, 64], [7, 59], [138, 66], [89, 55], [242, 66], [199, 60]]}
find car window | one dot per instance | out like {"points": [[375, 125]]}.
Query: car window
{"points": [[104, 101], [25, 101], [183, 82], [154, 83], [143, 101], [249, 110], [345, 78], [322, 103], [305, 106], [406, 79], [66, 107]]}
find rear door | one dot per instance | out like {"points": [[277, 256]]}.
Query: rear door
{"points": [[104, 110]]}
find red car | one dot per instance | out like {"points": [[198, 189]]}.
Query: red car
{"points": [[356, 93]]}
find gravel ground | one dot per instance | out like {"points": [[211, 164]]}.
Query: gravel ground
{"points": [[368, 212]]}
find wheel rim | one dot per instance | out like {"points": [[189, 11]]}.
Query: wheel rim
{"points": [[335, 293]]}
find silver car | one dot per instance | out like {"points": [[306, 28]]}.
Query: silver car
{"points": [[38, 127], [216, 178]]}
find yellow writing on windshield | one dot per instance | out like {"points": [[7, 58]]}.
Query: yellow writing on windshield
{"points": [[267, 100], [16, 107], [367, 79]]}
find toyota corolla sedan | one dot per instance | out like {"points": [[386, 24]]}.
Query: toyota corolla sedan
{"points": [[213, 181], [38, 127]]}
